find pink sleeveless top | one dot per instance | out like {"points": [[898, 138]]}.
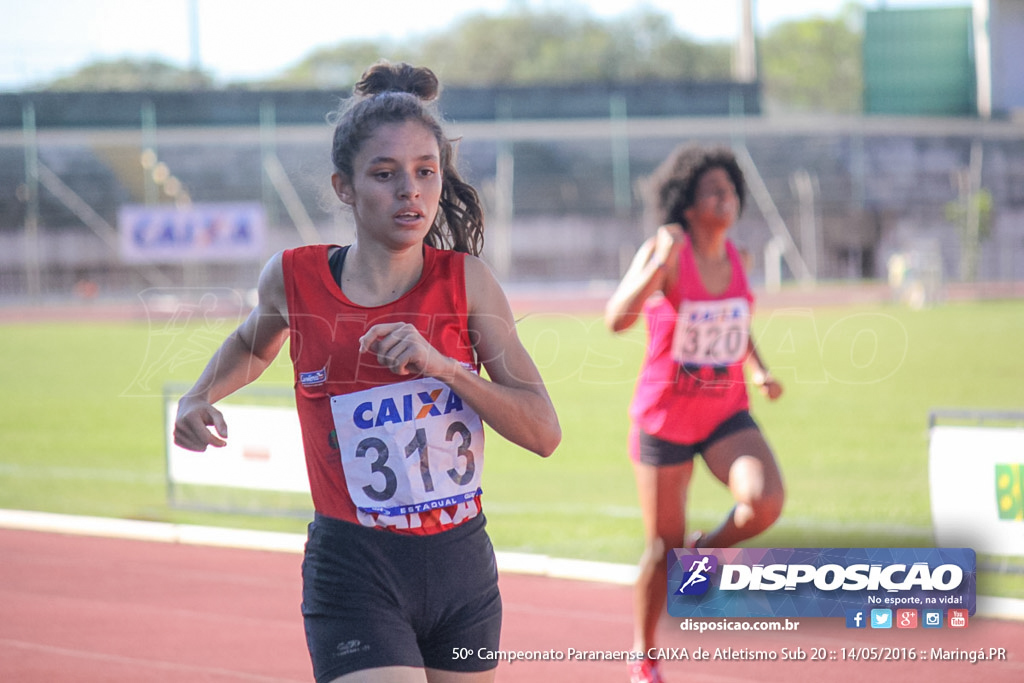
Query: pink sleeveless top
{"points": [[691, 379]]}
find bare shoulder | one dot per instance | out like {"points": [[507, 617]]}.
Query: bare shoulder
{"points": [[477, 269], [483, 291]]}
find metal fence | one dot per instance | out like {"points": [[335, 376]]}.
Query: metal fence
{"points": [[831, 198]]}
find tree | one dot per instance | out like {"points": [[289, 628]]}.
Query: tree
{"points": [[331, 67], [526, 46], [130, 74], [815, 64], [807, 65]]}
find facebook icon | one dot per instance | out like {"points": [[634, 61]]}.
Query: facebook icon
{"points": [[856, 618]]}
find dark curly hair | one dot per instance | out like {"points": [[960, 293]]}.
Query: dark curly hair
{"points": [[671, 189], [396, 93]]}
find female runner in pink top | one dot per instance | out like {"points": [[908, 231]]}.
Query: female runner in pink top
{"points": [[688, 281]]}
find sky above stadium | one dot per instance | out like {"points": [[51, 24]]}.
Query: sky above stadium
{"points": [[248, 39]]}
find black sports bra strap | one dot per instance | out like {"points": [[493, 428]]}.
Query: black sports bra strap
{"points": [[337, 262]]}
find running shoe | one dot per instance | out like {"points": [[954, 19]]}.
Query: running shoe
{"points": [[644, 671]]}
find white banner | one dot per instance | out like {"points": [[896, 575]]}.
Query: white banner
{"points": [[264, 452], [975, 477], [201, 232]]}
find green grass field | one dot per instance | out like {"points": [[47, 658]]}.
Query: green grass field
{"points": [[82, 428]]}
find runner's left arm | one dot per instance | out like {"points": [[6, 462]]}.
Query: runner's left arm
{"points": [[760, 375]]}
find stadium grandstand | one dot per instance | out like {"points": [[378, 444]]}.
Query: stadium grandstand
{"points": [[938, 181]]}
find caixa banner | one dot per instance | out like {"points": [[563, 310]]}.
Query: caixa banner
{"points": [[817, 582], [211, 232]]}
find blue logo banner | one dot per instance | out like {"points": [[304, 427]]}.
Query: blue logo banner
{"points": [[818, 582]]}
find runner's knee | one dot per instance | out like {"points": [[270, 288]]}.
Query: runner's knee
{"points": [[764, 505]]}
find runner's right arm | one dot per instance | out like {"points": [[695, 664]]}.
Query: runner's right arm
{"points": [[242, 358], [653, 266]]}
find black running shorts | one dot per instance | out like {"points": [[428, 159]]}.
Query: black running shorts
{"points": [[374, 598], [658, 452]]}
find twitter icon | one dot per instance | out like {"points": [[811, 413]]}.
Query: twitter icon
{"points": [[881, 618]]}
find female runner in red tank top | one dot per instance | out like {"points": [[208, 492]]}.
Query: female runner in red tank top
{"points": [[688, 282], [387, 336]]}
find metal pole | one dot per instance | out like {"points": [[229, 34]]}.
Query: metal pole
{"points": [[268, 148], [982, 58], [504, 193], [193, 35], [620, 156], [973, 217], [33, 280], [745, 65], [737, 118], [803, 185], [149, 156], [780, 232]]}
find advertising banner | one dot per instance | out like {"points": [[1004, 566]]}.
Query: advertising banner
{"points": [[215, 232], [264, 452], [975, 475]]}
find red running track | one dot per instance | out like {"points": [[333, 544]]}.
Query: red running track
{"points": [[86, 609]]}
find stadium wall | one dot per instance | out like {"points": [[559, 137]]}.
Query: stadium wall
{"points": [[569, 209]]}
